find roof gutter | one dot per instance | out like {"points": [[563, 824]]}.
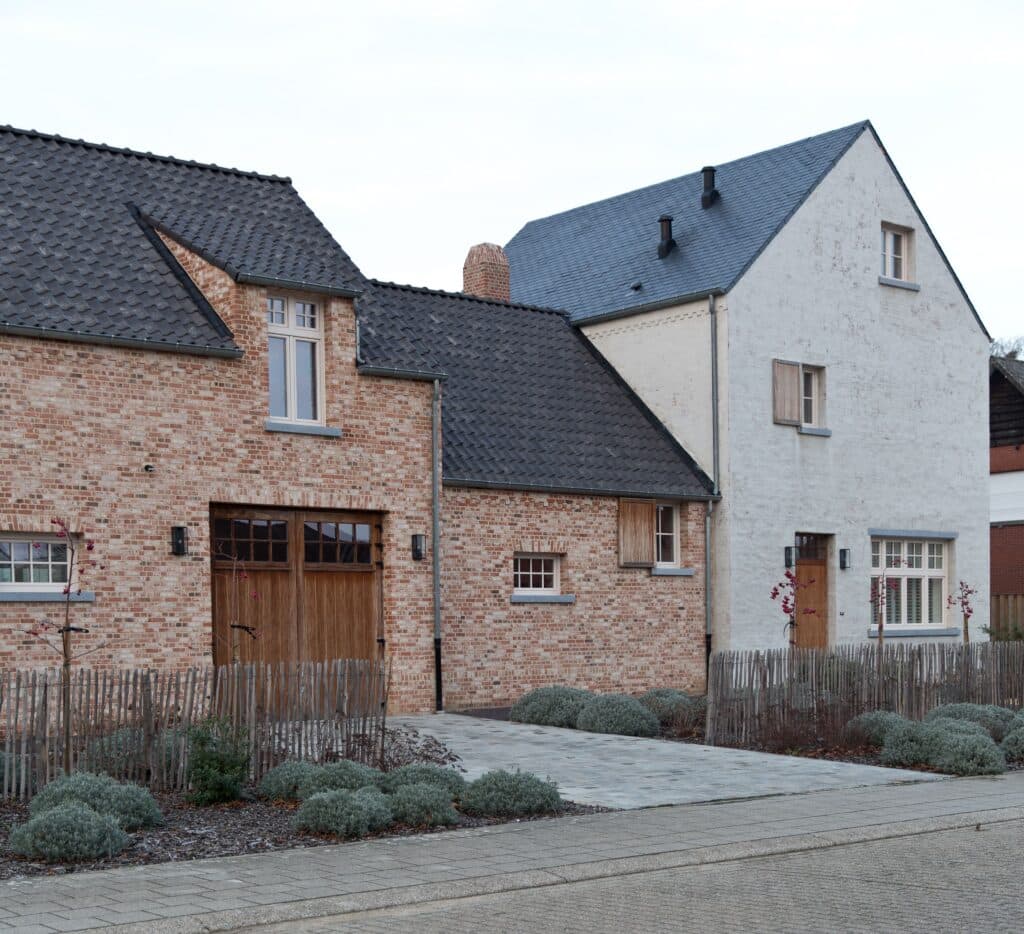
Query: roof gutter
{"points": [[80, 337], [398, 373], [467, 483], [298, 285], [650, 306]]}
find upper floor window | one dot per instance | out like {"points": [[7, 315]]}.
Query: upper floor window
{"points": [[666, 535], [295, 352], [798, 394], [896, 258], [33, 562]]}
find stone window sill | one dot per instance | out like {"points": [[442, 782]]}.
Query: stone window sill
{"points": [[899, 284], [673, 572], [916, 633], [544, 598], [45, 596], [816, 432], [294, 428]]}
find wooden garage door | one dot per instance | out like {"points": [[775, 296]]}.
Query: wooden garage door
{"points": [[295, 585]]}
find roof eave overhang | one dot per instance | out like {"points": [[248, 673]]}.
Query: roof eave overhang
{"points": [[393, 372], [648, 306], [468, 483], [80, 337], [295, 285]]}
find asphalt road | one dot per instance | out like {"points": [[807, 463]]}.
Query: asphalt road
{"points": [[960, 880]]}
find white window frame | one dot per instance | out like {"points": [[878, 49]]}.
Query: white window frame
{"points": [[816, 398], [291, 331], [673, 536], [36, 586], [556, 585], [890, 255], [898, 558]]}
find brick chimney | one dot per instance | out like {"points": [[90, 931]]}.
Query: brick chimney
{"points": [[485, 272]]}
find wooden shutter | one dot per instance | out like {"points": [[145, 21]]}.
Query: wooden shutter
{"points": [[786, 392], [636, 533]]}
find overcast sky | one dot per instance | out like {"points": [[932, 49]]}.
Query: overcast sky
{"points": [[416, 129]]}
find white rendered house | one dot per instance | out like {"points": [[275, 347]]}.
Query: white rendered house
{"points": [[793, 321]]}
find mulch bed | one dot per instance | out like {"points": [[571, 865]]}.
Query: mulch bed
{"points": [[223, 830]]}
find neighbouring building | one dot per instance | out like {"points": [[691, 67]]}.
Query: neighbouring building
{"points": [[259, 439], [1006, 457], [792, 320]]}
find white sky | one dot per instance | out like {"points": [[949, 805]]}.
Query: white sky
{"points": [[417, 129]]}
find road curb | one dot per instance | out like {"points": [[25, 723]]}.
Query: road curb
{"points": [[308, 909]]}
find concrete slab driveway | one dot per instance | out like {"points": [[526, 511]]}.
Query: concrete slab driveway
{"points": [[626, 772]]}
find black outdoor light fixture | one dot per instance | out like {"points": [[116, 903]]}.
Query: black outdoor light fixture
{"points": [[790, 555], [845, 562], [179, 540], [419, 547]]}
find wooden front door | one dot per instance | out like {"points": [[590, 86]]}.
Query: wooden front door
{"points": [[291, 585], [811, 591]]}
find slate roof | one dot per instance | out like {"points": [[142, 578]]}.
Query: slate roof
{"points": [[1012, 369], [587, 260], [528, 403], [78, 255]]}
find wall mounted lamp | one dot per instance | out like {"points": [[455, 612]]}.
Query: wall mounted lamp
{"points": [[845, 559], [419, 547], [790, 556], [179, 540]]}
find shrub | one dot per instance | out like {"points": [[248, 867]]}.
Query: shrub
{"points": [[551, 706], [282, 782], [218, 764], [423, 805], [1013, 745], [962, 753], [619, 714], [448, 779], [68, 832], [956, 748], [344, 775], [508, 794], [666, 704], [872, 727], [960, 727], [131, 806], [691, 720], [344, 813], [997, 720], [909, 743]]}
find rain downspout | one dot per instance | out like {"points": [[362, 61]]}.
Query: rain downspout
{"points": [[435, 543], [708, 605]]}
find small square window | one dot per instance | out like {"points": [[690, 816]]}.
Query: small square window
{"points": [[535, 574]]}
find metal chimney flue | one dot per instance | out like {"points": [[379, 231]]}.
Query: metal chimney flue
{"points": [[710, 194], [667, 244]]}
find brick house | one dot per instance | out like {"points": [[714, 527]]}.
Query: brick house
{"points": [[792, 319], [1006, 457], [194, 372]]}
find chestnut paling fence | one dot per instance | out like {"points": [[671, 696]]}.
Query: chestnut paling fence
{"points": [[791, 696], [133, 724]]}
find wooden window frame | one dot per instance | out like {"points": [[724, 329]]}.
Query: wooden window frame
{"points": [[48, 586], [789, 403], [891, 556], [673, 536], [890, 256], [556, 573], [291, 332]]}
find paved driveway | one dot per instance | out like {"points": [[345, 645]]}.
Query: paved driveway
{"points": [[626, 772]]}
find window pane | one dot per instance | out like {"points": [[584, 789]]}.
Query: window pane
{"points": [[935, 557], [22, 574], [893, 554], [5, 573], [260, 528], [305, 380], [59, 574], [279, 531], [275, 310], [279, 551], [305, 315], [278, 377], [21, 551], [935, 601], [312, 552], [893, 603], [897, 267], [914, 600], [260, 551], [876, 554], [311, 531], [914, 553], [40, 574]]}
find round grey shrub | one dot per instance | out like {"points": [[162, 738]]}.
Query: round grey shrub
{"points": [[960, 727], [956, 748], [343, 813], [510, 794], [423, 806], [968, 754], [619, 714], [1013, 745], [666, 704], [282, 782], [872, 727], [997, 720], [424, 774], [339, 776], [132, 806], [551, 706], [68, 832]]}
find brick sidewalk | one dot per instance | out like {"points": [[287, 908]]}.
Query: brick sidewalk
{"points": [[232, 892]]}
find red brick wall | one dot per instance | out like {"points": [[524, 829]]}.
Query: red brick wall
{"points": [[1006, 459], [1007, 551], [80, 421], [627, 631]]}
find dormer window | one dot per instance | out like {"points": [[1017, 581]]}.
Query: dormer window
{"points": [[295, 354]]}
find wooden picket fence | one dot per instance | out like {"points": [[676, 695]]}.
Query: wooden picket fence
{"points": [[781, 698], [133, 724]]}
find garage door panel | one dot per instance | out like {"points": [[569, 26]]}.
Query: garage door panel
{"points": [[339, 614]]}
